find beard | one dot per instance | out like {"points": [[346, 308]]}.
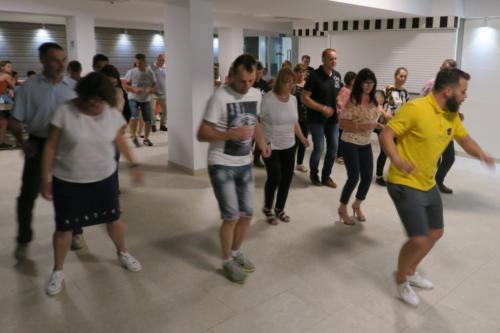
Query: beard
{"points": [[452, 104]]}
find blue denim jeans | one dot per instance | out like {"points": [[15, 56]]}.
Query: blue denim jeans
{"points": [[234, 188], [319, 133], [145, 108]]}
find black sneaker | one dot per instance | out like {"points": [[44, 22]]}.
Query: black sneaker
{"points": [[380, 180], [135, 141], [153, 128], [147, 142], [163, 128], [315, 181]]}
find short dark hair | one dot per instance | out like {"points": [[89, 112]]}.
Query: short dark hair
{"points": [[364, 75], [305, 56], [349, 77], [30, 72], [259, 66], [246, 60], [46, 47], [96, 85], [140, 56], [74, 66], [111, 71], [449, 77], [5, 62], [99, 57]]}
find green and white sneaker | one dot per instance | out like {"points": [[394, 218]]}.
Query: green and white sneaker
{"points": [[246, 264], [234, 272]]}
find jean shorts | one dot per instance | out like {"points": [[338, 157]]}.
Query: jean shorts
{"points": [[234, 189], [145, 109], [418, 210]]}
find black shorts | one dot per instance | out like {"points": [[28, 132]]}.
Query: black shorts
{"points": [[418, 210]]}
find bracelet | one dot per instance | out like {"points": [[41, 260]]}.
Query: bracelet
{"points": [[134, 165]]}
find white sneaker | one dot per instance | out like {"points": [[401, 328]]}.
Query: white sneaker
{"points": [[129, 262], [419, 281], [407, 294], [55, 284]]}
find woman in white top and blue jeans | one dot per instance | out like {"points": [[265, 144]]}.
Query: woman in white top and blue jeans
{"points": [[80, 156], [358, 120], [280, 124]]}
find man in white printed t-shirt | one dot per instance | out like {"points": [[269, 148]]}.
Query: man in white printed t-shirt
{"points": [[229, 124], [140, 82]]}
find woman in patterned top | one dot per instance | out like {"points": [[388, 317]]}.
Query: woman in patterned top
{"points": [[301, 71], [358, 120], [396, 96]]}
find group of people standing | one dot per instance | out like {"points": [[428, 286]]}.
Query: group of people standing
{"points": [[76, 136], [413, 135]]}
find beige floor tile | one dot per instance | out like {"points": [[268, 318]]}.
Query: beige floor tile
{"points": [[441, 319], [352, 319], [283, 313]]}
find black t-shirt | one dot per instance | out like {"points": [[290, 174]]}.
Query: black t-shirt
{"points": [[262, 86], [324, 90]]}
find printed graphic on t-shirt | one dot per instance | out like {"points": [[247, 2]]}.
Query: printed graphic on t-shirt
{"points": [[240, 114], [338, 82]]}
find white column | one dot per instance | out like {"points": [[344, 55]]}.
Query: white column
{"points": [[188, 36], [80, 40], [230, 47]]}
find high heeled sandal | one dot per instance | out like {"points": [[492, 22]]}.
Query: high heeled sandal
{"points": [[345, 218], [280, 214], [358, 214], [270, 218]]}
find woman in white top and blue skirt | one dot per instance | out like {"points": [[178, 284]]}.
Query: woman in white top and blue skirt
{"points": [[358, 120], [280, 124], [79, 171]]}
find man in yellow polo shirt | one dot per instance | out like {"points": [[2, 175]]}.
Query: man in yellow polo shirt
{"points": [[423, 128]]}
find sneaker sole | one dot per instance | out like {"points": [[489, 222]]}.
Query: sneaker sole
{"points": [[420, 286], [228, 276], [53, 293]]}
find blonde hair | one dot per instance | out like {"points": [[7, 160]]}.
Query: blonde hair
{"points": [[280, 78], [286, 64], [300, 68]]}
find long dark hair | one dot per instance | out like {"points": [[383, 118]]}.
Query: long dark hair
{"points": [[111, 71], [364, 75]]}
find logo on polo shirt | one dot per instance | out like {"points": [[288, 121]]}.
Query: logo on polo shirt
{"points": [[448, 131]]}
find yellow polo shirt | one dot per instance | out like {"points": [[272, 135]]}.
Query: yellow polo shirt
{"points": [[423, 132]]}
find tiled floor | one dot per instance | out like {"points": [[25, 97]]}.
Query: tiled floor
{"points": [[313, 275]]}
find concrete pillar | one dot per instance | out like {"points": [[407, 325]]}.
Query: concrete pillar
{"points": [[80, 39], [230, 47], [188, 34]]}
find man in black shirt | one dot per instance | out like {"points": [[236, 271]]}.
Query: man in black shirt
{"points": [[320, 95]]}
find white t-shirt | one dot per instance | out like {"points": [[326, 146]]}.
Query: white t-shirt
{"points": [[278, 120], [228, 109], [86, 150], [140, 79]]}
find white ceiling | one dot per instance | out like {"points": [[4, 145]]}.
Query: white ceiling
{"points": [[284, 10]]}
